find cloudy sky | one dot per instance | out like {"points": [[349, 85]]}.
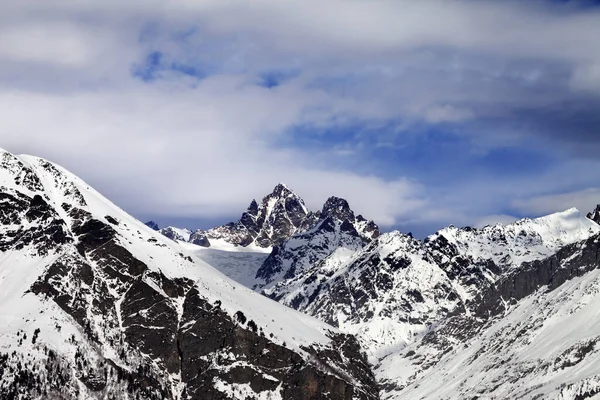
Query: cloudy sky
{"points": [[420, 113]]}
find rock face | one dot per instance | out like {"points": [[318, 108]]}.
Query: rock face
{"points": [[96, 305], [324, 240], [152, 225], [595, 215], [267, 224]]}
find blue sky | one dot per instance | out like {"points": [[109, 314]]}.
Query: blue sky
{"points": [[421, 114]]}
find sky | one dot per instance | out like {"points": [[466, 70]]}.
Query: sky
{"points": [[420, 113]]}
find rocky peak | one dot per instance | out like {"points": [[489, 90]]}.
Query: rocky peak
{"points": [[152, 225], [253, 208], [339, 208], [281, 190], [323, 240], [595, 215]]}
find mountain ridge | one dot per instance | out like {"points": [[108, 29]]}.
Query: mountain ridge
{"points": [[104, 307]]}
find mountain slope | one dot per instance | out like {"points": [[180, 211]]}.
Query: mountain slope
{"points": [[392, 291], [96, 305], [531, 334]]}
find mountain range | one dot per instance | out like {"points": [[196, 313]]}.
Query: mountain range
{"points": [[287, 303]]}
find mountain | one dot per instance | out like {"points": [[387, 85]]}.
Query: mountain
{"points": [[595, 215], [531, 334], [280, 215], [152, 225], [276, 218], [95, 304], [399, 293], [326, 238]]}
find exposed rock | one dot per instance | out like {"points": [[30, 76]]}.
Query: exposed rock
{"points": [[152, 225], [278, 216], [595, 215]]}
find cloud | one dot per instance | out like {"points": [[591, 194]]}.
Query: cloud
{"points": [[218, 122], [447, 113], [198, 152], [584, 200], [586, 78]]}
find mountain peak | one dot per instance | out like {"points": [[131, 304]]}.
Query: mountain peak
{"points": [[152, 225], [253, 207], [281, 190], [595, 215], [339, 208]]}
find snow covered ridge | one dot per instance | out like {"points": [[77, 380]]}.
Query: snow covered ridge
{"points": [[524, 240], [94, 304]]}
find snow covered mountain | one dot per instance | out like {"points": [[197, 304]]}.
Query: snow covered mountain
{"points": [[277, 217], [280, 215], [531, 334], [396, 293], [94, 304], [326, 238]]}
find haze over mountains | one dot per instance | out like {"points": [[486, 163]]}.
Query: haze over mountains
{"points": [[98, 305]]}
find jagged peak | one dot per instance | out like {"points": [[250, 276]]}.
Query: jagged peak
{"points": [[595, 215], [281, 189], [153, 225], [337, 207], [253, 207]]}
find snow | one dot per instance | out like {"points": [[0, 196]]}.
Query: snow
{"points": [[539, 337], [523, 240], [532, 360], [18, 270], [23, 312], [223, 245], [237, 264]]}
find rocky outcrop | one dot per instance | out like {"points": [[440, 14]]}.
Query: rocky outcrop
{"points": [[152, 225], [595, 215], [175, 234]]}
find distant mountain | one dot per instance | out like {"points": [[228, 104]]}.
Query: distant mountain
{"points": [[280, 215], [266, 224], [152, 225], [326, 238], [96, 305], [595, 215]]}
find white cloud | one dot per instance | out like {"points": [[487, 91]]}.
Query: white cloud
{"points": [[586, 78], [447, 113], [202, 151], [584, 200], [190, 148]]}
